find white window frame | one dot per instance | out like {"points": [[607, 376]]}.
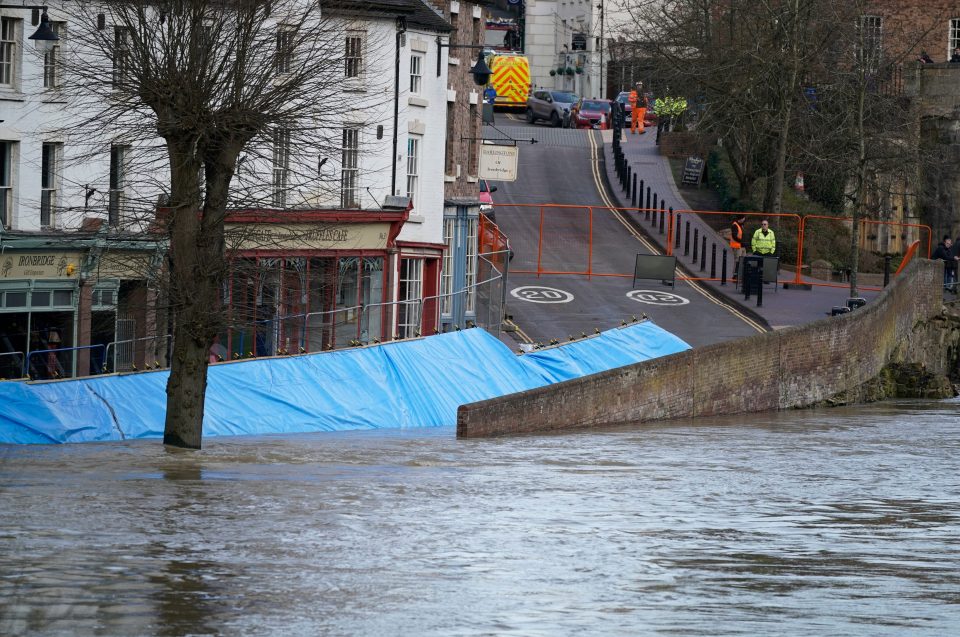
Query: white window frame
{"points": [[414, 145], [871, 40], [410, 282], [350, 167], [446, 271], [470, 271], [52, 67], [285, 49], [416, 73], [281, 166], [10, 49], [8, 175], [953, 35], [121, 56], [354, 50], [119, 159], [51, 154]]}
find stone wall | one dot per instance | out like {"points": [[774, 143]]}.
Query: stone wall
{"points": [[831, 360]]}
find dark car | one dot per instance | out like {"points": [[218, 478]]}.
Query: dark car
{"points": [[551, 106], [591, 114]]}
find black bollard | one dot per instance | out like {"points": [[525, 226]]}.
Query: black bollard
{"points": [[696, 243], [703, 254], [686, 238], [648, 198], [676, 239], [723, 268], [626, 186], [713, 261], [655, 216], [654, 201], [640, 194], [662, 218], [633, 195]]}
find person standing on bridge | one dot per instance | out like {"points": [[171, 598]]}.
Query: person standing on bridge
{"points": [[764, 243], [736, 242], [638, 109]]}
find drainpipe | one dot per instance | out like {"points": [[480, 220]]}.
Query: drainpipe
{"points": [[401, 29]]}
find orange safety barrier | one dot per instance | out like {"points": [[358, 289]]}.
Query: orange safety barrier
{"points": [[559, 239]]}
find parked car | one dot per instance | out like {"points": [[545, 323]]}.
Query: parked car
{"points": [[551, 106], [591, 114], [486, 201]]}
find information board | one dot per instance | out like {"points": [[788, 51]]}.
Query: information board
{"points": [[692, 171]]}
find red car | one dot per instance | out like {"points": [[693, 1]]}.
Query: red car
{"points": [[591, 114], [486, 201]]}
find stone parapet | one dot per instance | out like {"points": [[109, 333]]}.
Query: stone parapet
{"points": [[829, 361]]}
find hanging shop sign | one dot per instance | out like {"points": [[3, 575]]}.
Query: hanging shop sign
{"points": [[498, 163]]}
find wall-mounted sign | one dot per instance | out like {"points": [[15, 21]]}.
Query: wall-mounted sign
{"points": [[579, 42], [313, 236], [498, 163], [39, 265]]}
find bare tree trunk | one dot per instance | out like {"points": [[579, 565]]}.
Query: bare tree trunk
{"points": [[861, 181], [190, 301], [787, 109]]}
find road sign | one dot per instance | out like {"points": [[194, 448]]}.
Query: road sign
{"points": [[657, 297], [498, 163], [541, 294]]}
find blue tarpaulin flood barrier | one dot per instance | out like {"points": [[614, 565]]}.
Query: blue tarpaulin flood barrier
{"points": [[416, 383]]}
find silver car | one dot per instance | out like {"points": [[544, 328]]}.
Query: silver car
{"points": [[551, 106]]}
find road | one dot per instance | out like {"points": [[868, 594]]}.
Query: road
{"points": [[562, 168]]}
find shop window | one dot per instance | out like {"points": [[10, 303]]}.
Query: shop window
{"points": [[15, 299], [63, 297], [40, 298], [470, 279], [411, 291], [446, 273]]}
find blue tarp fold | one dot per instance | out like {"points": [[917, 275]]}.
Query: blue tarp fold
{"points": [[418, 383]]}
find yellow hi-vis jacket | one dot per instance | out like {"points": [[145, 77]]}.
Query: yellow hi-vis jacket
{"points": [[763, 244]]}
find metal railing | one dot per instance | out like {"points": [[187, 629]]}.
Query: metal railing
{"points": [[159, 358], [18, 365], [53, 367]]}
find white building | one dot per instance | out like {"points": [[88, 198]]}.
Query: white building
{"points": [[59, 199]]}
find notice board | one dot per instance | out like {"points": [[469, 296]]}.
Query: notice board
{"points": [[693, 171]]}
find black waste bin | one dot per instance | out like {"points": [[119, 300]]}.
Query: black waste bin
{"points": [[752, 275]]}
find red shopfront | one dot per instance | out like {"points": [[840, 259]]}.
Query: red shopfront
{"points": [[313, 280]]}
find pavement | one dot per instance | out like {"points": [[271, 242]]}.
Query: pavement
{"points": [[781, 307]]}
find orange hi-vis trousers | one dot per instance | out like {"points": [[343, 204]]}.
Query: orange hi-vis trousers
{"points": [[636, 120]]}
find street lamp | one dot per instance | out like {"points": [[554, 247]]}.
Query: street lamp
{"points": [[44, 37], [480, 71]]}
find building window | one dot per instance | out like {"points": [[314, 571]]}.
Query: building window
{"points": [[284, 50], [416, 73], [446, 274], [349, 172], [49, 180], [118, 183], [473, 153], [8, 51], [281, 166], [411, 287], [6, 183], [470, 273], [121, 55], [450, 162], [413, 166], [353, 54], [871, 40], [954, 36], [51, 59]]}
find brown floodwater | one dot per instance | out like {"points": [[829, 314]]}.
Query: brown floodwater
{"points": [[829, 522]]}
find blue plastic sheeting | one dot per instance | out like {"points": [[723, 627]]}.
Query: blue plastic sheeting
{"points": [[418, 383]]}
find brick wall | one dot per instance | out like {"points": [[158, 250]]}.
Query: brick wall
{"points": [[462, 154], [795, 367], [911, 26]]}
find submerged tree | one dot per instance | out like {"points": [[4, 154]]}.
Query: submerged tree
{"points": [[191, 87]]}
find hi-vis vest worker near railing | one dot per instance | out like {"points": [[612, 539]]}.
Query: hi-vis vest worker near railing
{"points": [[764, 243], [736, 241], [638, 109]]}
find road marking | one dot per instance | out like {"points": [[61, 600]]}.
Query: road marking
{"points": [[541, 294], [605, 197], [657, 297]]}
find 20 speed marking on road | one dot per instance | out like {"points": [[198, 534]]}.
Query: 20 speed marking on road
{"points": [[656, 297], [540, 294]]}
